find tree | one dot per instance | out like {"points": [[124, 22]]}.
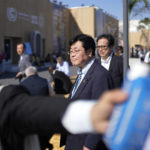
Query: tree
{"points": [[143, 25], [138, 6], [145, 21]]}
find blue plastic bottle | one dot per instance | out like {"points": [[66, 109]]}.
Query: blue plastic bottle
{"points": [[130, 122]]}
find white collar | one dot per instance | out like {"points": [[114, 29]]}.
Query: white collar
{"points": [[86, 68], [108, 59]]}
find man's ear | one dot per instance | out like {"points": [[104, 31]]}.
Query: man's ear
{"points": [[89, 52]]}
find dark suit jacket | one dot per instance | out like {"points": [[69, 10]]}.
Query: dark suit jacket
{"points": [[22, 114], [116, 70], [36, 85], [24, 63], [96, 81]]}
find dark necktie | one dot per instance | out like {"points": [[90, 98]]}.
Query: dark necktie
{"points": [[76, 83]]}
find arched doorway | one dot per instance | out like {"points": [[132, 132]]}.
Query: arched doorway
{"points": [[37, 43]]}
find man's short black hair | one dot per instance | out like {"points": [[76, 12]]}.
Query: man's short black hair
{"points": [[24, 46], [109, 37], [87, 42]]}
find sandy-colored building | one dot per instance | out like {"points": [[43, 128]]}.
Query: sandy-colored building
{"points": [[111, 25], [47, 27], [89, 20], [59, 27], [140, 38], [136, 36], [27, 21]]}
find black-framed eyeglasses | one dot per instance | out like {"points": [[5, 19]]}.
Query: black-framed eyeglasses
{"points": [[102, 47], [74, 51]]}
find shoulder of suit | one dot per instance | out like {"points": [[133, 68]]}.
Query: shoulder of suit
{"points": [[100, 69], [117, 58], [27, 55], [97, 62], [35, 78]]}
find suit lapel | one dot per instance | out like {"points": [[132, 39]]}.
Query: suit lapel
{"points": [[19, 62], [99, 60], [111, 63], [85, 80]]}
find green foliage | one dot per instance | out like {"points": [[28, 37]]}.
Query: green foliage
{"points": [[144, 23], [138, 6]]}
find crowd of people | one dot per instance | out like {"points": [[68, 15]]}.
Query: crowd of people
{"points": [[36, 107], [141, 52]]}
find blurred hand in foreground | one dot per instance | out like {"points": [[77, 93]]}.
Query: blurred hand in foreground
{"points": [[102, 111]]}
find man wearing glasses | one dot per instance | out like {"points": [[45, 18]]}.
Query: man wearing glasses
{"points": [[91, 82], [113, 63]]}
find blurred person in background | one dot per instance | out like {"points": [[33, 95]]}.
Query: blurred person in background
{"points": [[62, 65], [35, 84], [111, 62], [141, 53], [119, 51], [38, 86], [147, 58], [24, 60], [50, 59]]}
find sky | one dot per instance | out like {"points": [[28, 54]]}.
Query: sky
{"points": [[112, 7]]}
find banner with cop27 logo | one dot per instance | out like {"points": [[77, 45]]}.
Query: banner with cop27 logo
{"points": [[13, 15]]}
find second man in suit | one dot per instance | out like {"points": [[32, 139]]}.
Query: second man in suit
{"points": [[91, 82], [111, 62]]}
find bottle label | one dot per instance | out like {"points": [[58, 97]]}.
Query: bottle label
{"points": [[130, 122]]}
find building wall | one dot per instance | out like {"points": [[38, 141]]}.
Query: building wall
{"points": [[111, 26], [59, 27], [56, 24], [84, 17], [140, 38], [99, 22], [136, 37], [21, 18], [90, 20]]}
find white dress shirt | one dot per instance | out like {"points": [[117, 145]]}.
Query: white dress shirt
{"points": [[64, 67], [21, 57], [106, 63]]}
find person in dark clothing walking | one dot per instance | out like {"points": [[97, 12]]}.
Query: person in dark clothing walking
{"points": [[35, 84]]}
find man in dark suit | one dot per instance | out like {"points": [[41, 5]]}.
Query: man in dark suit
{"points": [[91, 82], [35, 84], [111, 62], [24, 60]]}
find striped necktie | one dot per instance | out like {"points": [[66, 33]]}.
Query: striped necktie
{"points": [[76, 83]]}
